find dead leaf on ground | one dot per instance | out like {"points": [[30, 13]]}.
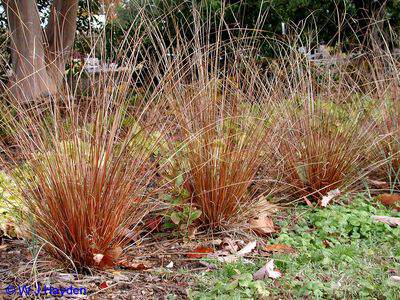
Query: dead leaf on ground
{"points": [[262, 224], [391, 200], [267, 271], [378, 183], [329, 196], [3, 247], [391, 221], [247, 249], [281, 248], [98, 258], [133, 266], [200, 252]]}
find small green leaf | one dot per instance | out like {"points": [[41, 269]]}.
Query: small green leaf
{"points": [[195, 214], [167, 197], [185, 193], [178, 181]]}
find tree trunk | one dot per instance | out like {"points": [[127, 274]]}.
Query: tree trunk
{"points": [[38, 59], [60, 33]]}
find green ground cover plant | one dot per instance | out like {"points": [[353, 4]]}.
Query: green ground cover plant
{"points": [[340, 253], [10, 204]]}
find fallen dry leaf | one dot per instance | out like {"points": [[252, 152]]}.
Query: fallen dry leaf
{"points": [[247, 249], [281, 248], [329, 196], [133, 266], [103, 285], [200, 252], [379, 183], [3, 247], [267, 271], [391, 221], [262, 224], [98, 258], [391, 200]]}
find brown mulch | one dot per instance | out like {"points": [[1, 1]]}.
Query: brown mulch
{"points": [[20, 266], [158, 268]]}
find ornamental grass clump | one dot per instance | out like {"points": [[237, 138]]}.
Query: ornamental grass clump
{"points": [[318, 154], [84, 188], [221, 138], [322, 115], [222, 156], [387, 151]]}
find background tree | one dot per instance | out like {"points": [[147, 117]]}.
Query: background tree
{"points": [[340, 23], [41, 36], [38, 56]]}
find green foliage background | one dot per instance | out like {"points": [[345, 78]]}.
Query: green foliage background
{"points": [[321, 19]]}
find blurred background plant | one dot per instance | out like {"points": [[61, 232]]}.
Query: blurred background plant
{"points": [[10, 206]]}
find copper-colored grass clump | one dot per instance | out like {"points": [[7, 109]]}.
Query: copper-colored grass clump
{"points": [[81, 185], [388, 145], [317, 155], [223, 141], [222, 157]]}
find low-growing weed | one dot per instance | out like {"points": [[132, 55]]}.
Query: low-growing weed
{"points": [[340, 253]]}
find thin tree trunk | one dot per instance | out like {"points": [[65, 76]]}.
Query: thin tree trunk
{"points": [[30, 78], [39, 57], [60, 33]]}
